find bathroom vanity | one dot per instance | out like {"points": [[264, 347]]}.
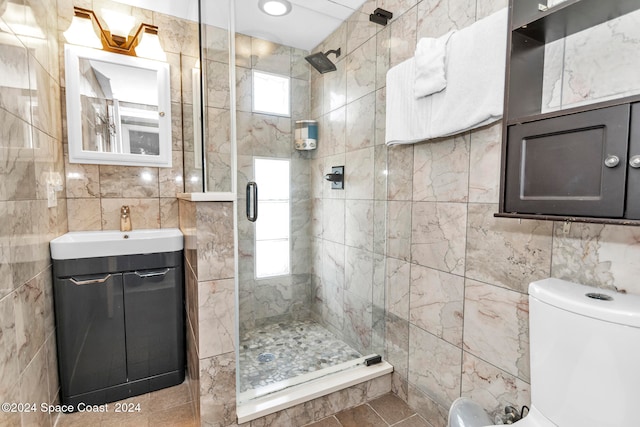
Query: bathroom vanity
{"points": [[119, 315]]}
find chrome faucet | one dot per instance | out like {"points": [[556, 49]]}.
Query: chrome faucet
{"points": [[125, 219]]}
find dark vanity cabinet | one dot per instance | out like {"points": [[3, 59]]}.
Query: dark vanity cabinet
{"points": [[119, 326], [578, 164]]}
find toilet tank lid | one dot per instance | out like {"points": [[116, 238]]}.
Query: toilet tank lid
{"points": [[622, 308]]}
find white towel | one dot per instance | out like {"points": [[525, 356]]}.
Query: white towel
{"points": [[408, 118], [430, 65], [476, 57]]}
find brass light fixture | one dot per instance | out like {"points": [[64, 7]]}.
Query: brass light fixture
{"points": [[144, 42]]}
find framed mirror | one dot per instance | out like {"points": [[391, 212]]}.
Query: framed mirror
{"points": [[118, 108]]}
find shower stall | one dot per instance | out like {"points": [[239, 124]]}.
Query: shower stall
{"points": [[310, 260]]}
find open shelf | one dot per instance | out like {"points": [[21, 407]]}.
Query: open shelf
{"points": [[569, 17]]}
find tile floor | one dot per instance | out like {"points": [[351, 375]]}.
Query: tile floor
{"points": [[294, 348], [387, 410], [169, 407]]}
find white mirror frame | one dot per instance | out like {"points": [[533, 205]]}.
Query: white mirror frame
{"points": [[72, 56]]}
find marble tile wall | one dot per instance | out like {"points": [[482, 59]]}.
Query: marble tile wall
{"points": [[95, 193], [30, 154], [210, 304], [455, 280], [348, 225], [267, 300]]}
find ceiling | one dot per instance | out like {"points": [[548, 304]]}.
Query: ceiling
{"points": [[308, 23]]}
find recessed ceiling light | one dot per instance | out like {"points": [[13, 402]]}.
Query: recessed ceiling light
{"points": [[275, 7]]}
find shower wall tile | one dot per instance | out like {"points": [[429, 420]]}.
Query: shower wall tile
{"points": [[437, 300], [597, 255], [214, 222], [177, 35], [397, 344], [381, 116], [434, 366], [243, 50], [217, 74], [216, 303], [300, 109], [300, 68], [357, 329], [335, 87], [317, 95], [359, 29], [145, 213], [359, 224], [333, 220], [359, 173], [403, 37], [398, 7], [441, 170], [170, 180], [380, 159], [359, 273], [16, 58], [399, 230], [361, 71], [484, 167], [438, 236], [335, 132], [218, 390], [506, 252], [400, 175], [244, 89], [360, 123], [271, 57], [496, 327], [383, 43], [436, 18], [491, 387], [398, 280]]}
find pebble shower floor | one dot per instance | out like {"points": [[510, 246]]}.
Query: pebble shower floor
{"points": [[285, 350]]}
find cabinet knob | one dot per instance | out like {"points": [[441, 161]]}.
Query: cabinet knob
{"points": [[612, 161], [634, 162]]}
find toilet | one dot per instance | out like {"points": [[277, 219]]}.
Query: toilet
{"points": [[585, 360]]}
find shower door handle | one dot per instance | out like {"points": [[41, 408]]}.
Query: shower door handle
{"points": [[252, 201]]}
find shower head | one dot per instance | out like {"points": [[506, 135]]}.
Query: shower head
{"points": [[320, 61]]}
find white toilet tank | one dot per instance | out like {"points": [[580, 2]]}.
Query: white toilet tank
{"points": [[585, 354]]}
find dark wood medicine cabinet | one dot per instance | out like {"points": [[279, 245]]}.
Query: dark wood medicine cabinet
{"points": [[579, 164]]}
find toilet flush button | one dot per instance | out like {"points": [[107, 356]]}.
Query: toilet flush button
{"points": [[598, 296]]}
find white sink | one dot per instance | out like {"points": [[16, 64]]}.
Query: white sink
{"points": [[91, 244]]}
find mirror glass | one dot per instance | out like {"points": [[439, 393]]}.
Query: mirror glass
{"points": [[118, 109]]}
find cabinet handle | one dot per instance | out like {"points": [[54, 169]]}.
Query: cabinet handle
{"points": [[152, 274], [634, 162], [90, 281], [611, 161]]}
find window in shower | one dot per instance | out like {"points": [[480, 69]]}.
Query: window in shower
{"points": [[271, 93], [272, 227]]}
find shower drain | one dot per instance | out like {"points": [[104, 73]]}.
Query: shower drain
{"points": [[266, 357]]}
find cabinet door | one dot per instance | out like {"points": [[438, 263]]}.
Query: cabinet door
{"points": [[154, 322], [566, 165], [90, 333], [633, 174]]}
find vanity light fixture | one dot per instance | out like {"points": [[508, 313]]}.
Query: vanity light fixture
{"points": [[275, 7], [117, 39]]}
